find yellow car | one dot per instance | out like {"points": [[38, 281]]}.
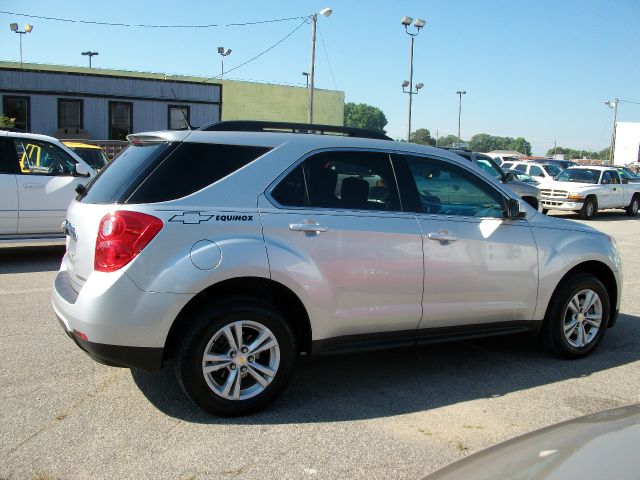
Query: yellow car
{"points": [[92, 154]]}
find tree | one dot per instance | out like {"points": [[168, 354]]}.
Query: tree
{"points": [[423, 137], [361, 115], [570, 153], [484, 142], [520, 145], [447, 140]]}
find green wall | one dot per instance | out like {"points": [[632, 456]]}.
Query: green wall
{"points": [[259, 101]]}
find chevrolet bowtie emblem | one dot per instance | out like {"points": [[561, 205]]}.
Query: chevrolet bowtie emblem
{"points": [[190, 218]]}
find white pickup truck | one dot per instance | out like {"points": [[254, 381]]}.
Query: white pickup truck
{"points": [[585, 189]]}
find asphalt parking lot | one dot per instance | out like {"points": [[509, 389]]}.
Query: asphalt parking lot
{"points": [[391, 414]]}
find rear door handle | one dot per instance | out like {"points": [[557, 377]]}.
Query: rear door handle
{"points": [[33, 185], [442, 237], [307, 227]]}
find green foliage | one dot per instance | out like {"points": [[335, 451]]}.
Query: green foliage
{"points": [[6, 121], [484, 142], [422, 136], [570, 153], [361, 115], [447, 140]]}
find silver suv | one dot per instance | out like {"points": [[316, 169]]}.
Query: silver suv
{"points": [[233, 252]]}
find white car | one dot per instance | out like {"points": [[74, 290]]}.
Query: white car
{"points": [[587, 189], [543, 172], [38, 178]]}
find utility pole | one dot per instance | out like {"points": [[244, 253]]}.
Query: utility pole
{"points": [[460, 93], [612, 146], [326, 12]]}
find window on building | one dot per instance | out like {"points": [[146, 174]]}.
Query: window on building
{"points": [[70, 114], [120, 120], [177, 116], [18, 108]]}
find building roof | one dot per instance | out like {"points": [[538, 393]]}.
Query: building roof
{"points": [[41, 67]]}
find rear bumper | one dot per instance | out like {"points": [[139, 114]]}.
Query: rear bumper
{"points": [[113, 320], [118, 355]]}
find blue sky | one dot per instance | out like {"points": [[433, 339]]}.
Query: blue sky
{"points": [[540, 69]]}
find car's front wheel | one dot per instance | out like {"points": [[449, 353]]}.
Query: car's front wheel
{"points": [[237, 357], [589, 208], [577, 316], [632, 209]]}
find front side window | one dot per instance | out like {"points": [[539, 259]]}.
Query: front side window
{"points": [[69, 114], [347, 180], [178, 117], [490, 167], [120, 120], [42, 158], [18, 109], [446, 189]]}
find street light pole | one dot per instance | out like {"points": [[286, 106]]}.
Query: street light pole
{"points": [[27, 29], [418, 24], [612, 146], [306, 74], [311, 77], [223, 53], [89, 54], [460, 93]]}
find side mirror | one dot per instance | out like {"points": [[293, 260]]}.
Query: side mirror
{"points": [[509, 176], [81, 170], [514, 212]]}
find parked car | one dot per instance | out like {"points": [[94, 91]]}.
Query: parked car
{"points": [[522, 177], [38, 178], [233, 251], [93, 155], [561, 164], [627, 174], [544, 172], [570, 450], [587, 189], [528, 192]]}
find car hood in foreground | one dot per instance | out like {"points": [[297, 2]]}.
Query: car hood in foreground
{"points": [[597, 446]]}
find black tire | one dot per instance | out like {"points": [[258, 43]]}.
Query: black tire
{"points": [[545, 211], [558, 313], [589, 208], [632, 209], [207, 322]]}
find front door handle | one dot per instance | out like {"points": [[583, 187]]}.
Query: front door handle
{"points": [[33, 185], [307, 227], [443, 237]]}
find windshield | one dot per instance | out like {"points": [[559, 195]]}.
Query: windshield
{"points": [[580, 175], [551, 169], [96, 158]]}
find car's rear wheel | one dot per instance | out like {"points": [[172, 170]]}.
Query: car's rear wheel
{"points": [[577, 316], [632, 209], [589, 208], [237, 357]]}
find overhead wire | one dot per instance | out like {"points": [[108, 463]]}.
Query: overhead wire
{"points": [[268, 49], [328, 61], [145, 25]]}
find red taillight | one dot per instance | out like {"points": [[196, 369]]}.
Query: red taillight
{"points": [[121, 236]]}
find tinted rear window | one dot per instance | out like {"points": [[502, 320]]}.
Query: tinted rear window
{"points": [[191, 167], [115, 182]]}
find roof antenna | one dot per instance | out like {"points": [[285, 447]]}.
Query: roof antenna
{"points": [[181, 111]]}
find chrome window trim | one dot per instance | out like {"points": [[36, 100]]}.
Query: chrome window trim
{"points": [[279, 178]]}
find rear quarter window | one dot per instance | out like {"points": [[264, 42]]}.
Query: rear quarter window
{"points": [[191, 167]]}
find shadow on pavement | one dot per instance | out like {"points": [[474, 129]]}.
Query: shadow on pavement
{"points": [[605, 216], [45, 258], [395, 382]]}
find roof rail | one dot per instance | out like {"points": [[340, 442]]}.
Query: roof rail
{"points": [[288, 127]]}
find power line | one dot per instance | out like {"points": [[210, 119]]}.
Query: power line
{"points": [[268, 49], [328, 61], [142, 25]]}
